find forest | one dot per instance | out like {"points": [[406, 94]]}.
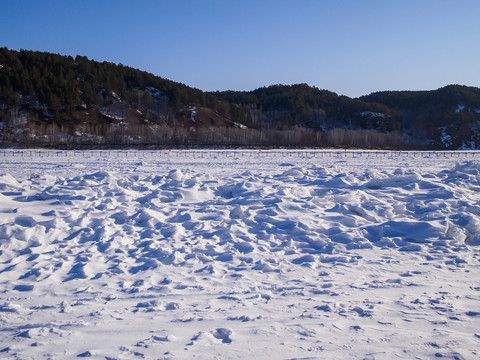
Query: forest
{"points": [[52, 100]]}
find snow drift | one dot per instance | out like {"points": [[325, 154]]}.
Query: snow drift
{"points": [[301, 261]]}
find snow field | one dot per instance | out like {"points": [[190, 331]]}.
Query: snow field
{"points": [[239, 254]]}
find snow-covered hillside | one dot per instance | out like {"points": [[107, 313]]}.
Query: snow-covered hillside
{"points": [[239, 254]]}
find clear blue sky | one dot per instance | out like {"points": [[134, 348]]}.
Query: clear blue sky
{"points": [[352, 47]]}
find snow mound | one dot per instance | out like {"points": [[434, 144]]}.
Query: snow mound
{"points": [[296, 172], [175, 175]]}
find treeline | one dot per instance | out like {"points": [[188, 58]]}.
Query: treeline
{"points": [[48, 98], [284, 106], [105, 135], [63, 83], [59, 85], [451, 112]]}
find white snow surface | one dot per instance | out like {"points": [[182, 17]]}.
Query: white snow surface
{"points": [[372, 114], [445, 137], [239, 254]]}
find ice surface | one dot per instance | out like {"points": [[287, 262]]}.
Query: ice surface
{"points": [[239, 254]]}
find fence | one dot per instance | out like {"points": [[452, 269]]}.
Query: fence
{"points": [[231, 153]]}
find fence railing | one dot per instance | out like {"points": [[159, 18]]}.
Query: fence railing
{"points": [[232, 153]]}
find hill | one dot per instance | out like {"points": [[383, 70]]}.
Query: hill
{"points": [[445, 118], [52, 100]]}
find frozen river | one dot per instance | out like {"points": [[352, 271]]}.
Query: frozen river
{"points": [[275, 254]]}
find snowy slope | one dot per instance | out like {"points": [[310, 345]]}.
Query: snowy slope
{"points": [[239, 254]]}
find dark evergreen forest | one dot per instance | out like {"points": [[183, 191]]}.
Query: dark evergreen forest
{"points": [[52, 100]]}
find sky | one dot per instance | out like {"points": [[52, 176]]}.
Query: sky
{"points": [[351, 47]]}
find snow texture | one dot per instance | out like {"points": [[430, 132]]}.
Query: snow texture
{"points": [[239, 254], [445, 138], [372, 114]]}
